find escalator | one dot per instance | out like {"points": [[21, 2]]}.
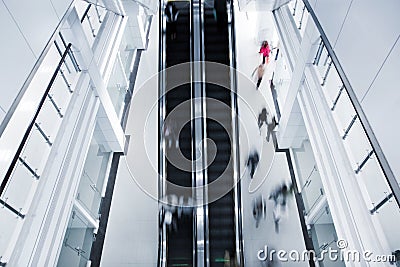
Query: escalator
{"points": [[177, 50], [221, 220]]}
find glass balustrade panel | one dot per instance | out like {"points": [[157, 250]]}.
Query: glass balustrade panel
{"points": [[8, 226], [357, 145], [375, 182]]}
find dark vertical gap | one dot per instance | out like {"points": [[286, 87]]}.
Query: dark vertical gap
{"points": [[98, 243]]}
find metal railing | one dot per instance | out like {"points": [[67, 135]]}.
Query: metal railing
{"points": [[162, 243], [33, 145], [370, 165]]}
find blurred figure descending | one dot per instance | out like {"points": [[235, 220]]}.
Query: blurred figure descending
{"points": [[262, 118], [265, 118], [259, 209], [279, 196], [258, 73], [271, 124], [170, 212], [171, 13], [252, 162], [265, 51], [171, 134]]}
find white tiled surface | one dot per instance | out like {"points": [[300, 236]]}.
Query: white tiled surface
{"points": [[16, 61], [383, 91], [364, 42], [42, 13], [60, 6]]}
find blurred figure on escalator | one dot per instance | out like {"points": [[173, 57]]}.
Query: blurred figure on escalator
{"points": [[171, 13], [171, 134], [220, 13]]}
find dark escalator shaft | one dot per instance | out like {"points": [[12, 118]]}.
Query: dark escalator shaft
{"points": [[179, 241], [221, 212]]}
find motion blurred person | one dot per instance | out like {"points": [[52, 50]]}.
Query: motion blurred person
{"points": [[279, 196], [259, 71], [220, 13], [252, 162], [171, 133], [171, 13], [265, 51], [259, 209]]}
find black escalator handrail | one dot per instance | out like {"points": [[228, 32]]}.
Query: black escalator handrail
{"points": [[235, 121], [390, 177], [32, 123]]}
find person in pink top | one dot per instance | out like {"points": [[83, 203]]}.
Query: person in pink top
{"points": [[265, 50]]}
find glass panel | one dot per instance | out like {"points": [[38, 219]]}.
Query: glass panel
{"points": [[19, 188], [324, 237], [26, 108], [312, 190], [323, 63], [89, 195], [92, 21], [357, 144], [30, 154], [304, 22], [127, 51], [343, 112], [309, 177], [60, 93], [375, 182], [282, 77], [93, 175], [77, 242], [389, 217], [118, 86], [49, 120], [332, 86], [8, 224], [298, 13]]}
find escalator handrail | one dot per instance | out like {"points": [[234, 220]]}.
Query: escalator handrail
{"points": [[161, 114], [235, 128]]}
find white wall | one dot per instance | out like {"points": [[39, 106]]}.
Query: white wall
{"points": [[364, 34], [25, 28]]}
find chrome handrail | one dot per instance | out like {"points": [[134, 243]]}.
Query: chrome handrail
{"points": [[161, 116], [235, 137]]}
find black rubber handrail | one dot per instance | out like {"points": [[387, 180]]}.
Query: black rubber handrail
{"points": [[86, 12], [32, 123]]}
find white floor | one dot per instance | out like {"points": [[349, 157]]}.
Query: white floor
{"points": [[273, 168], [132, 233]]}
